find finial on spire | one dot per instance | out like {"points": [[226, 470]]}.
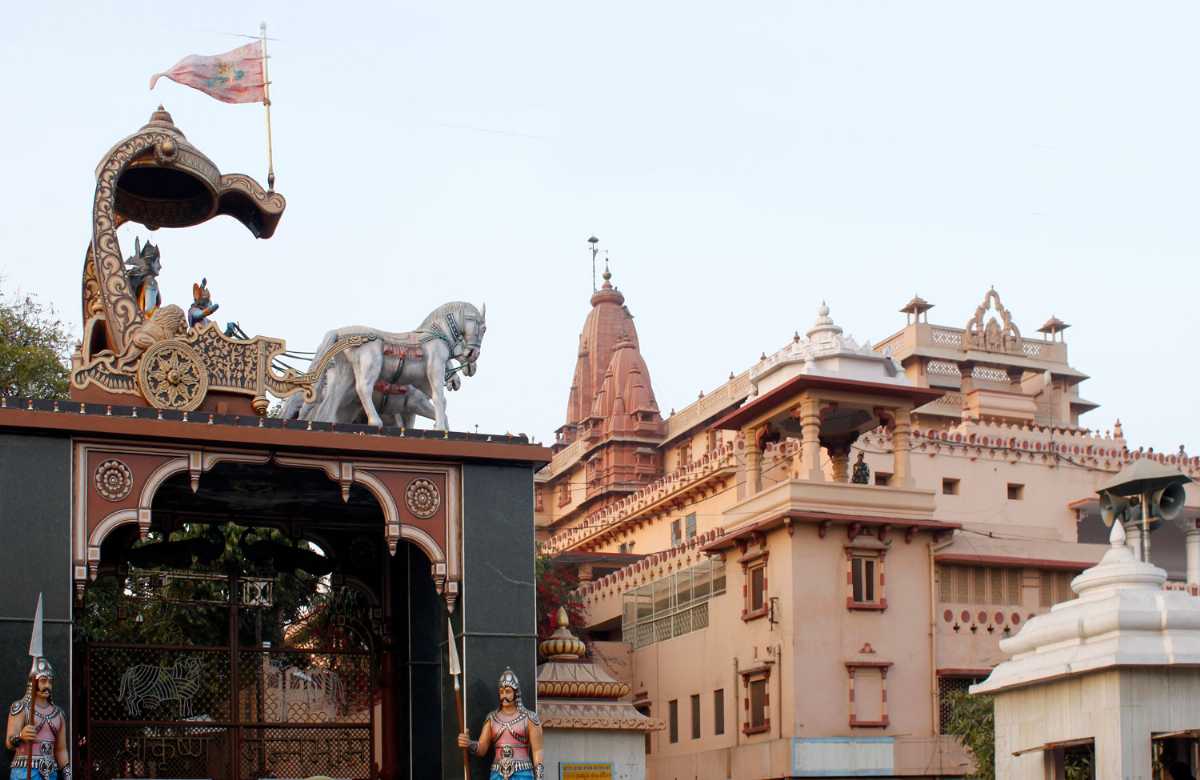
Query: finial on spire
{"points": [[1117, 536]]}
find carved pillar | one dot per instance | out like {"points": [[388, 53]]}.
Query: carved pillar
{"points": [[753, 460], [839, 456], [810, 439], [1193, 560], [901, 466]]}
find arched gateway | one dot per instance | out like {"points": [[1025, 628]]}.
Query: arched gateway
{"points": [[232, 596]]}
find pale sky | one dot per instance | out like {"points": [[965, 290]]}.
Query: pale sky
{"points": [[739, 161]]}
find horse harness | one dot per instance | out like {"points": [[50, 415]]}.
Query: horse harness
{"points": [[403, 352]]}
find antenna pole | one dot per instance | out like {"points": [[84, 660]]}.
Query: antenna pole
{"points": [[593, 241], [262, 31]]}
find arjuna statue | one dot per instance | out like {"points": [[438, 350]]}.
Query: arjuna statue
{"points": [[513, 732]]}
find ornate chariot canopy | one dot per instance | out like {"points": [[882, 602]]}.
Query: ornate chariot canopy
{"points": [[132, 348]]}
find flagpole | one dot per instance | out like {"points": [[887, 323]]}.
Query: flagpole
{"points": [[262, 29]]}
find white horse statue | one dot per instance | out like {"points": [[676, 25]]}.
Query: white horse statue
{"points": [[385, 370]]}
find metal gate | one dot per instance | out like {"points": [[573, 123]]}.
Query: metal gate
{"points": [[237, 710]]}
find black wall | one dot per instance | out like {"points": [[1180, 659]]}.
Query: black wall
{"points": [[495, 620], [35, 556]]}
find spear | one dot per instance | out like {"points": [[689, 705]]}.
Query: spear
{"points": [[35, 651], [456, 672]]}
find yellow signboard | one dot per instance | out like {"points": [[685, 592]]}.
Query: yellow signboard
{"points": [[585, 771]]}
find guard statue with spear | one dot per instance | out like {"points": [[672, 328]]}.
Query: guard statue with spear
{"points": [[37, 729], [512, 733]]}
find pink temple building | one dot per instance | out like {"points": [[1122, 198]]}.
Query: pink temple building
{"points": [[794, 571]]}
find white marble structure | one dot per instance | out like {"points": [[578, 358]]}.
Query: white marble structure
{"points": [[1119, 667]]}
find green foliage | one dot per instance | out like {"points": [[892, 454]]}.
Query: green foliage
{"points": [[34, 349], [556, 586], [972, 720], [121, 610]]}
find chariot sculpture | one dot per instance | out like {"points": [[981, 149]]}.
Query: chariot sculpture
{"points": [[137, 348]]}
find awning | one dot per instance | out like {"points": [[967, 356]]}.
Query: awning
{"points": [[1064, 743]]}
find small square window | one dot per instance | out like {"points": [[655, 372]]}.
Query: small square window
{"points": [[882, 478], [949, 486], [1016, 492]]}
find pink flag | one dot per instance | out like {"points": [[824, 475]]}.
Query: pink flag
{"points": [[233, 77]]}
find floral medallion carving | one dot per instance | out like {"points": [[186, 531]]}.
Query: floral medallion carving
{"points": [[113, 480], [422, 497], [172, 375]]}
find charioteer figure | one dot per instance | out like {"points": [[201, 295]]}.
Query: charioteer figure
{"points": [[37, 728], [202, 305], [513, 733]]}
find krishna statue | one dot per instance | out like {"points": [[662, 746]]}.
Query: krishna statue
{"points": [[513, 733]]}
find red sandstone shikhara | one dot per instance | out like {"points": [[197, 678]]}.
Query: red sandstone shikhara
{"points": [[233, 77]]}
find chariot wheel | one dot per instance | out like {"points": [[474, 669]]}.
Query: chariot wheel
{"points": [[172, 375]]}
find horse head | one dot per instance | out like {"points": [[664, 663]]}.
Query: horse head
{"points": [[461, 326]]}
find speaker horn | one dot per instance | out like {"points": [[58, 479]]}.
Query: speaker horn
{"points": [[1113, 507], [1167, 503]]}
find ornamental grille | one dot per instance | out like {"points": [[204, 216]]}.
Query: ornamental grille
{"points": [[169, 693], [946, 687]]}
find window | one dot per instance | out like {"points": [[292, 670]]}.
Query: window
{"points": [[755, 588], [863, 572], [690, 525], [864, 578], [947, 686], [868, 694], [949, 486], [676, 534], [1016, 492], [980, 585], [564, 492], [673, 605], [882, 478], [626, 548], [673, 717], [1046, 590], [695, 716], [719, 711], [758, 701]]}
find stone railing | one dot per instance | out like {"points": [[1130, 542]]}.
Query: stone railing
{"points": [[946, 337], [1076, 445], [649, 568], [663, 487], [693, 414]]}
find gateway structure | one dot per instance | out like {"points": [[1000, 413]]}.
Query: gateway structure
{"points": [[797, 569], [231, 596]]}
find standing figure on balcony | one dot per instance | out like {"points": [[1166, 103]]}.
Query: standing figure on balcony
{"points": [[862, 472], [514, 732], [144, 268]]}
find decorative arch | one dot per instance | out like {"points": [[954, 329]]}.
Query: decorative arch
{"points": [[383, 481]]}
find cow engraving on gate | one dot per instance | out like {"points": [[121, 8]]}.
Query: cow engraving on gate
{"points": [[148, 685]]}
